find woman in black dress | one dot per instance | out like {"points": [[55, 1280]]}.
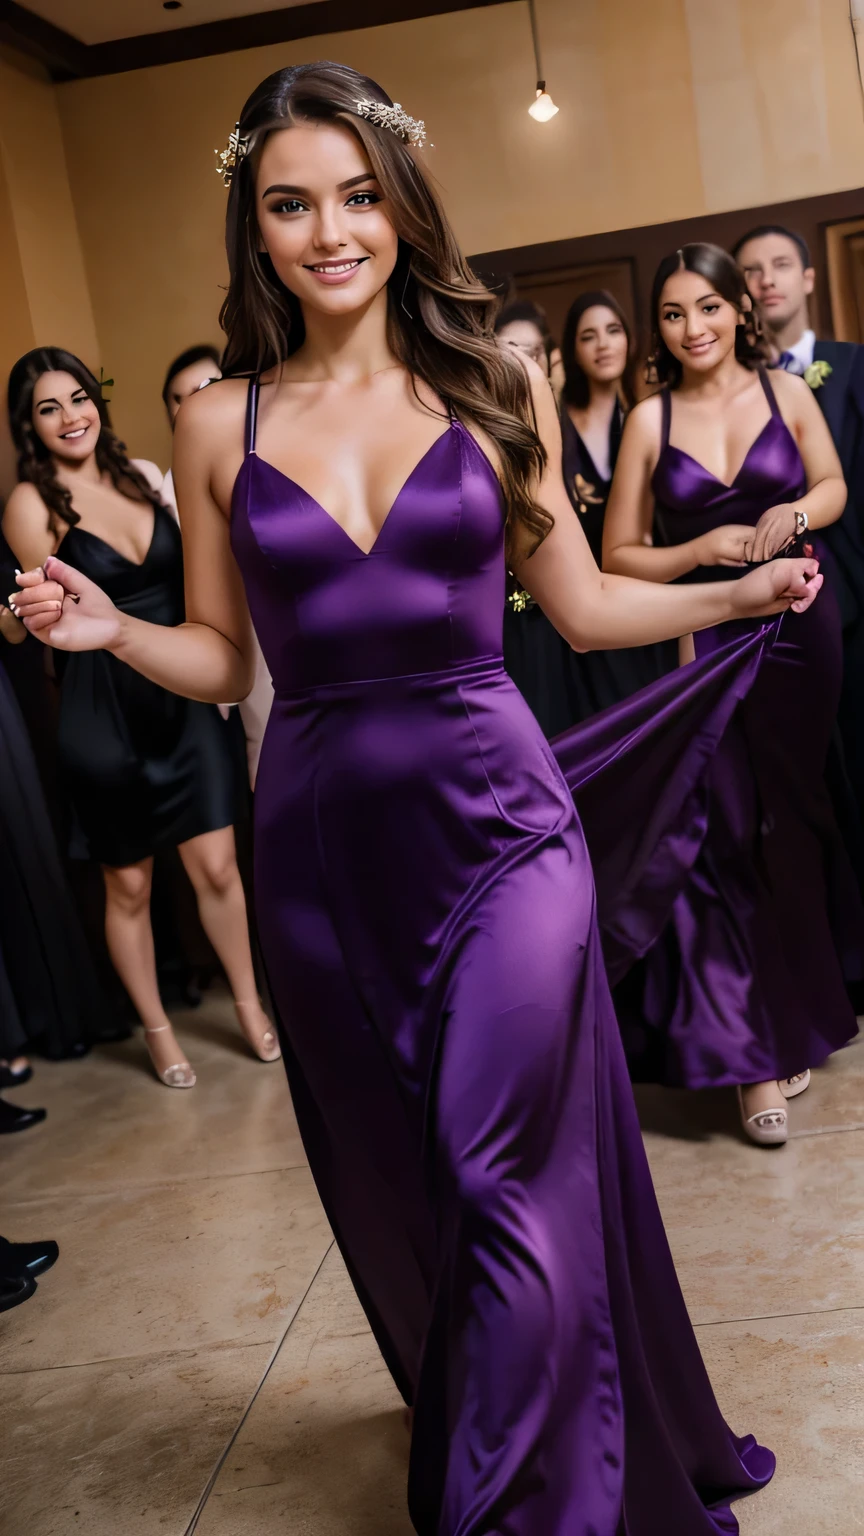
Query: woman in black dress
{"points": [[144, 769], [598, 390], [564, 687]]}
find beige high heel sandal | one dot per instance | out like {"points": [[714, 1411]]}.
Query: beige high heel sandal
{"points": [[268, 1049], [790, 1087], [768, 1127], [181, 1075]]}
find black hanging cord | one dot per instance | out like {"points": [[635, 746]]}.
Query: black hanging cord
{"points": [[535, 37]]}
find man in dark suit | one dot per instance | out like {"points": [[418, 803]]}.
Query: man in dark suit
{"points": [[780, 277]]}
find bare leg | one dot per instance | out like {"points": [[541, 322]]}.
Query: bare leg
{"points": [[129, 935], [211, 864]]}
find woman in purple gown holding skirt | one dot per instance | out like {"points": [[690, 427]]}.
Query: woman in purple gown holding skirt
{"points": [[424, 892], [745, 985]]}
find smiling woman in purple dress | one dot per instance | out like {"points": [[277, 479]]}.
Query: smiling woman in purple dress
{"points": [[725, 467], [424, 892]]}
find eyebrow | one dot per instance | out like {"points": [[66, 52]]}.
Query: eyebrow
{"points": [[674, 304], [49, 400], [344, 186]]}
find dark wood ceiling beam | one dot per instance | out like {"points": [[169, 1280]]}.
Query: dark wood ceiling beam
{"points": [[59, 52], [66, 58]]}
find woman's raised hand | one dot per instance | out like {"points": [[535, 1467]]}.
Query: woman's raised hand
{"points": [[729, 545], [774, 529], [66, 610], [776, 586]]}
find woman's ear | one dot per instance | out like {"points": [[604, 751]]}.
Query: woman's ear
{"points": [[745, 308]]}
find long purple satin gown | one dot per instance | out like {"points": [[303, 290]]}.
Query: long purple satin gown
{"points": [[427, 915], [746, 982]]}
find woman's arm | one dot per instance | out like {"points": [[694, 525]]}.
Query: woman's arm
{"points": [[211, 656], [11, 628], [595, 611], [826, 488], [627, 525], [27, 527]]}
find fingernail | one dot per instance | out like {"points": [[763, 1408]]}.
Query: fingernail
{"points": [[17, 572]]}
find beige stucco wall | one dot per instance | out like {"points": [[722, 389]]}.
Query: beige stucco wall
{"points": [[44, 289]]}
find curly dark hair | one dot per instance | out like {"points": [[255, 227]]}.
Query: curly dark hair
{"points": [[440, 316], [35, 463], [725, 277]]}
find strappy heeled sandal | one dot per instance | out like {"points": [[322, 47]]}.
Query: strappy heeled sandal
{"points": [[767, 1128], [790, 1087], [268, 1048], [181, 1075]]}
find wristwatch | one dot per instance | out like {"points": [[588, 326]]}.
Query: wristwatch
{"points": [[801, 523]]}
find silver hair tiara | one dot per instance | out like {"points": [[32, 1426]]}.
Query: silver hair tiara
{"points": [[410, 129], [230, 158]]}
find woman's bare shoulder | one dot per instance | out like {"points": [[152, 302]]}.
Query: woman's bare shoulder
{"points": [[25, 501], [791, 390], [214, 413], [645, 421]]}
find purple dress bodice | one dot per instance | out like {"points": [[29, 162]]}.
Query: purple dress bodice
{"points": [[690, 500], [427, 597]]}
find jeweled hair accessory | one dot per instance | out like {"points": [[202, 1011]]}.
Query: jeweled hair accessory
{"points": [[411, 130], [229, 158]]}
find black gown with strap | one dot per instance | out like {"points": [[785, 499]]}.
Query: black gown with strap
{"points": [[144, 768], [564, 687]]}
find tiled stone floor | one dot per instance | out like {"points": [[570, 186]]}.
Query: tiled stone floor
{"points": [[197, 1362]]}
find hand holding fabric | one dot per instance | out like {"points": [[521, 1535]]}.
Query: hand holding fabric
{"points": [[65, 609], [774, 530], [775, 587]]}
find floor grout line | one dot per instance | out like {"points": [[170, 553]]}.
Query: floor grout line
{"points": [[212, 1479], [64, 1192], [778, 1317]]}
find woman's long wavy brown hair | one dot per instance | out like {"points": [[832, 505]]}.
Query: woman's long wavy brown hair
{"points": [[440, 316], [35, 463]]}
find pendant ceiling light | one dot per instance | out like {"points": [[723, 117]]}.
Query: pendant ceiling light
{"points": [[542, 107]]}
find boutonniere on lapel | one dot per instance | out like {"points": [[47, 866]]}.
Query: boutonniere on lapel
{"points": [[817, 373], [586, 494]]}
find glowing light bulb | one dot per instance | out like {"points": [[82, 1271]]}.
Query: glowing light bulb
{"points": [[543, 108]]}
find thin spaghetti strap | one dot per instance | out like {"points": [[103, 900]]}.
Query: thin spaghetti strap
{"points": [[666, 398], [769, 391], [251, 414]]}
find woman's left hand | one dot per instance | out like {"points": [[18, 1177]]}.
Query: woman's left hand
{"points": [[775, 528], [775, 587]]}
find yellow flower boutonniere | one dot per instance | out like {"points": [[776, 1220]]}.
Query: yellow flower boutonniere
{"points": [[520, 602], [817, 373]]}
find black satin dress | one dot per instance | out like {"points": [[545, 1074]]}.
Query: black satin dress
{"points": [[562, 686], [603, 678], [144, 769], [50, 998]]}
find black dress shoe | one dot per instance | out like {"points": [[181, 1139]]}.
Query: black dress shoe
{"points": [[13, 1118], [27, 1258], [10, 1079], [14, 1289]]}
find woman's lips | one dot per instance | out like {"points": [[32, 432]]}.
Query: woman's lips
{"points": [[334, 273]]}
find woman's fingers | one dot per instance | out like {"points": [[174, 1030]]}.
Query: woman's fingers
{"points": [[28, 597], [31, 578], [52, 609]]}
